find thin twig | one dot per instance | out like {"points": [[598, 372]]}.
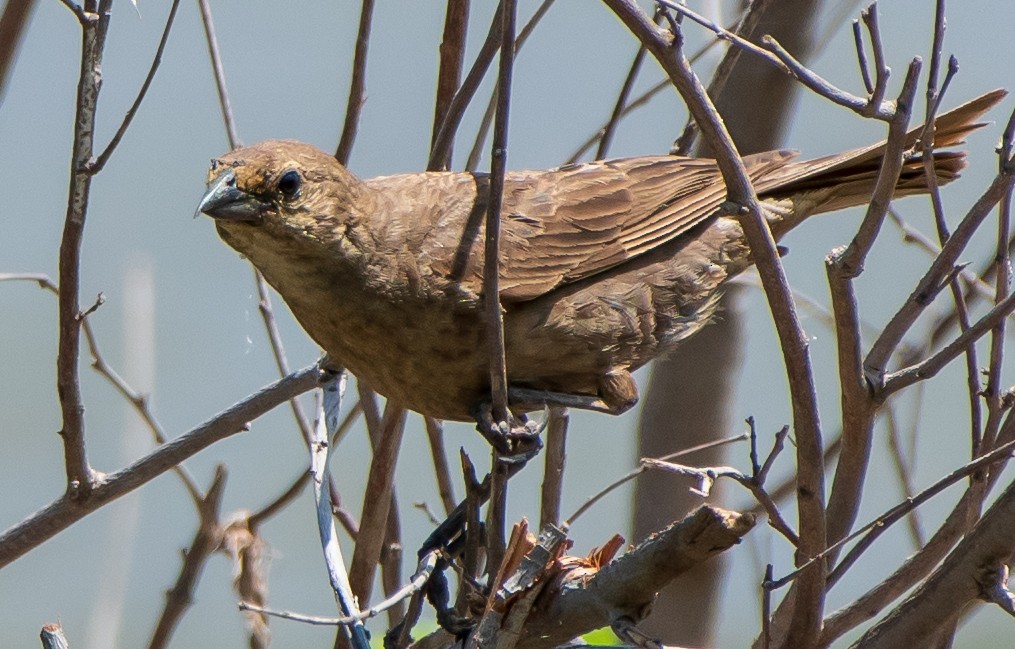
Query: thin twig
{"points": [[491, 249], [80, 476], [357, 86], [294, 489], [606, 139], [139, 401], [932, 281], [904, 472], [219, 72], [895, 381], [1002, 289], [861, 58], [452, 59], [277, 348], [64, 511], [100, 162], [377, 502], [327, 410], [910, 234], [785, 62], [442, 473], [416, 582], [440, 152], [634, 473], [747, 24], [554, 460], [206, 540], [491, 107], [13, 20], [876, 527], [869, 16], [850, 261]]}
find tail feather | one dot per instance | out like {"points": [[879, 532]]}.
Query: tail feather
{"points": [[847, 179]]}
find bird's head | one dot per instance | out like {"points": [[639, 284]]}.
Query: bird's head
{"points": [[278, 186]]}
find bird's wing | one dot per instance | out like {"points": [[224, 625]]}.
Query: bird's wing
{"points": [[557, 226], [567, 224]]}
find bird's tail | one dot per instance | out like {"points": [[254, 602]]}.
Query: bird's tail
{"points": [[847, 179]]}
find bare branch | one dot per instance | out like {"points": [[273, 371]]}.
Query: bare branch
{"points": [[80, 476], [435, 434], [491, 250], [452, 60], [332, 390], [12, 28], [357, 87], [376, 503], [103, 157], [440, 152], [625, 586], [940, 600], [277, 348], [61, 513], [206, 540], [932, 281], [220, 75], [554, 460]]}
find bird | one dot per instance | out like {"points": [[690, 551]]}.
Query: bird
{"points": [[603, 265]]}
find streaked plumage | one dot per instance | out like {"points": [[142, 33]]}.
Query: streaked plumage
{"points": [[604, 265]]}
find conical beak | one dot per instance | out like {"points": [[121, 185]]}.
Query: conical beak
{"points": [[225, 202]]}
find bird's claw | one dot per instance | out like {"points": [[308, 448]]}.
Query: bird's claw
{"points": [[516, 439]]}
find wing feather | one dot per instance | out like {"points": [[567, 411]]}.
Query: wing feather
{"points": [[562, 225]]}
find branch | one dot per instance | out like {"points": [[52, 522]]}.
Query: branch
{"points": [[80, 477], [491, 250], [277, 348], [206, 540], [100, 162], [784, 61], [842, 266], [377, 502], [435, 434], [932, 281], [476, 152], [357, 87], [626, 586], [136, 399], [554, 461], [53, 638], [61, 513], [440, 152], [15, 17], [742, 202], [423, 571], [452, 60], [327, 419], [955, 584], [926, 369], [220, 75]]}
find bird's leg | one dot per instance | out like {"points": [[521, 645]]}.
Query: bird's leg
{"points": [[516, 441], [618, 393]]}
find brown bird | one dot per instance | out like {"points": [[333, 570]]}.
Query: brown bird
{"points": [[604, 266]]}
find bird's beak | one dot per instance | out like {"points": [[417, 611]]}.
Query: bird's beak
{"points": [[225, 202]]}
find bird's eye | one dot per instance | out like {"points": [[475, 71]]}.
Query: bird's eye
{"points": [[289, 183]]}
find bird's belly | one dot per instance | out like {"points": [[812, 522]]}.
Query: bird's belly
{"points": [[424, 355]]}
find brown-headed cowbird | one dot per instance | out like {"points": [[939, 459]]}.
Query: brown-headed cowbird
{"points": [[604, 266]]}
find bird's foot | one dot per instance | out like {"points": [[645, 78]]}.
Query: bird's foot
{"points": [[516, 440]]}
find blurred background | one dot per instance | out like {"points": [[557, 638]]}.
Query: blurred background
{"points": [[181, 322]]}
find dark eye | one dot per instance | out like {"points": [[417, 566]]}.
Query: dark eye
{"points": [[289, 184]]}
